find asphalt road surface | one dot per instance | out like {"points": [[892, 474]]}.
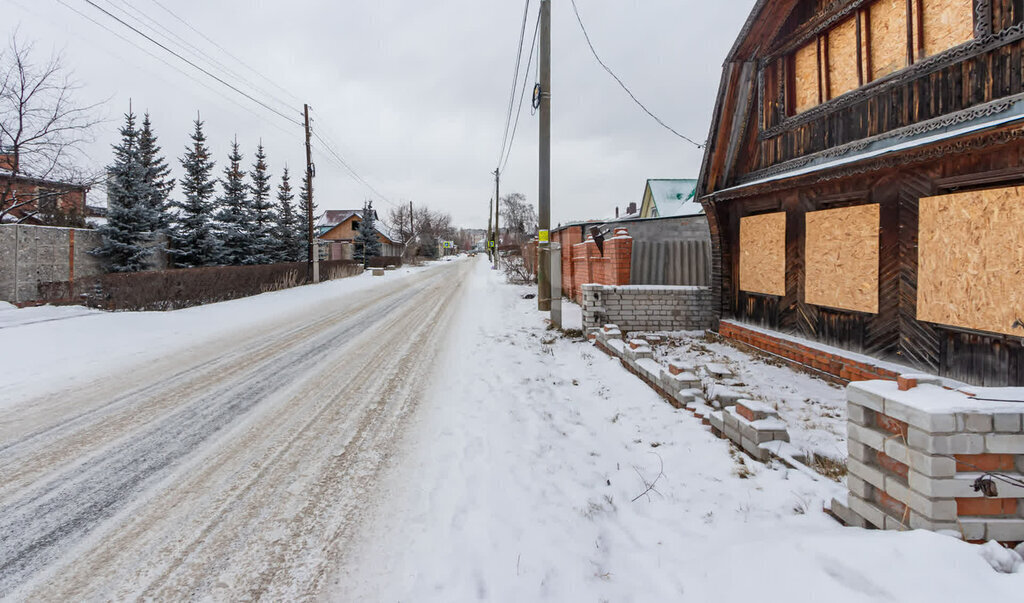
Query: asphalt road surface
{"points": [[236, 471]]}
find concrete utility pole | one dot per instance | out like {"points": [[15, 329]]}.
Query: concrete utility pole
{"points": [[313, 263], [497, 212], [490, 233], [544, 194]]}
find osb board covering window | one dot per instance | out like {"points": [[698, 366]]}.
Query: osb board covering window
{"points": [[805, 72], [842, 58], [971, 260], [763, 253], [841, 251], [888, 26], [946, 23]]}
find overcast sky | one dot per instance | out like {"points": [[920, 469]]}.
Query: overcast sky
{"points": [[412, 92]]}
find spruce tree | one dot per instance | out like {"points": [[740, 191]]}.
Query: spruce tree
{"points": [[265, 244], [127, 234], [367, 240], [302, 224], [156, 174], [235, 217], [290, 246], [192, 236]]}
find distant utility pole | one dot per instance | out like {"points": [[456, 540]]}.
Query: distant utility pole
{"points": [[412, 226], [497, 212], [490, 233], [312, 267], [544, 196]]}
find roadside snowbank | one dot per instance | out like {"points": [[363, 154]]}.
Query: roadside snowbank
{"points": [[525, 480]]}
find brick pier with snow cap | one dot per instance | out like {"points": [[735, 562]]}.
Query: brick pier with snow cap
{"points": [[917, 448]]}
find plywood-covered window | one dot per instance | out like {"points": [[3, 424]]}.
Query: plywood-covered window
{"points": [[763, 253], [841, 258], [971, 260], [806, 79], [941, 24], [841, 58], [887, 41]]}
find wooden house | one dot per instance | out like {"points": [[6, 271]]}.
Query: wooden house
{"points": [[864, 181], [337, 229], [669, 197]]}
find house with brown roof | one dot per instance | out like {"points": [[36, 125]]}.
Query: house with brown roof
{"points": [[338, 228]]}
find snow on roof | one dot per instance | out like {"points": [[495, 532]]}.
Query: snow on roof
{"points": [[675, 197]]}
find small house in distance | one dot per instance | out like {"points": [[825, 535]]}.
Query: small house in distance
{"points": [[864, 183], [339, 228], [664, 198], [40, 201]]}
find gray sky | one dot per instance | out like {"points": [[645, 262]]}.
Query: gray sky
{"points": [[413, 92]]}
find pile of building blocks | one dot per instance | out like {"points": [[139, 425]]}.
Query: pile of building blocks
{"points": [[753, 426], [917, 447]]}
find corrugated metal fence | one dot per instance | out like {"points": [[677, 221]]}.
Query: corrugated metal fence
{"points": [[679, 262]]}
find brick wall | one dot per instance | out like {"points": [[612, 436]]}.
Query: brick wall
{"points": [[583, 263], [831, 363], [647, 307]]}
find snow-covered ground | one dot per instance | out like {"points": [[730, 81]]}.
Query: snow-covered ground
{"points": [[541, 470], [520, 465]]}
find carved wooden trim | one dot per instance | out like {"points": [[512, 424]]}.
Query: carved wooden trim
{"points": [[980, 179], [889, 161], [933, 63], [829, 16], [982, 18], [952, 119]]}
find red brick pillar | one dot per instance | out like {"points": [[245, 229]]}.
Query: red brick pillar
{"points": [[619, 252]]}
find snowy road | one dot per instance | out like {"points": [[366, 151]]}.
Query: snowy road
{"points": [[236, 470]]}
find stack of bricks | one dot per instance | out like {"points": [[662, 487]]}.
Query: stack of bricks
{"points": [[648, 307], [833, 363], [916, 449], [749, 424]]}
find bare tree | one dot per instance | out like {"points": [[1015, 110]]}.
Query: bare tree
{"points": [[400, 222], [519, 218], [42, 127]]}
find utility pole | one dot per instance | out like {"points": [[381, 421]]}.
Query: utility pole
{"points": [[497, 212], [490, 233], [544, 194], [313, 264], [412, 226]]}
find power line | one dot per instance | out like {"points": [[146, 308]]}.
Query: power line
{"points": [[515, 82], [198, 67], [173, 37], [522, 95], [624, 87], [336, 157], [226, 51], [169, 64]]}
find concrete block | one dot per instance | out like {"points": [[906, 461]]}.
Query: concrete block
{"points": [[865, 435], [858, 486], [977, 422], [958, 487], [859, 415], [932, 422], [926, 464], [870, 474], [936, 509], [975, 531], [1007, 422], [1004, 530], [856, 394], [872, 514], [842, 510], [860, 452], [957, 443], [730, 419], [1005, 443], [716, 420]]}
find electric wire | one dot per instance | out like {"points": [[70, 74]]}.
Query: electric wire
{"points": [[173, 66], [227, 52], [515, 83], [522, 95], [623, 85], [333, 155], [194, 65], [174, 38]]}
